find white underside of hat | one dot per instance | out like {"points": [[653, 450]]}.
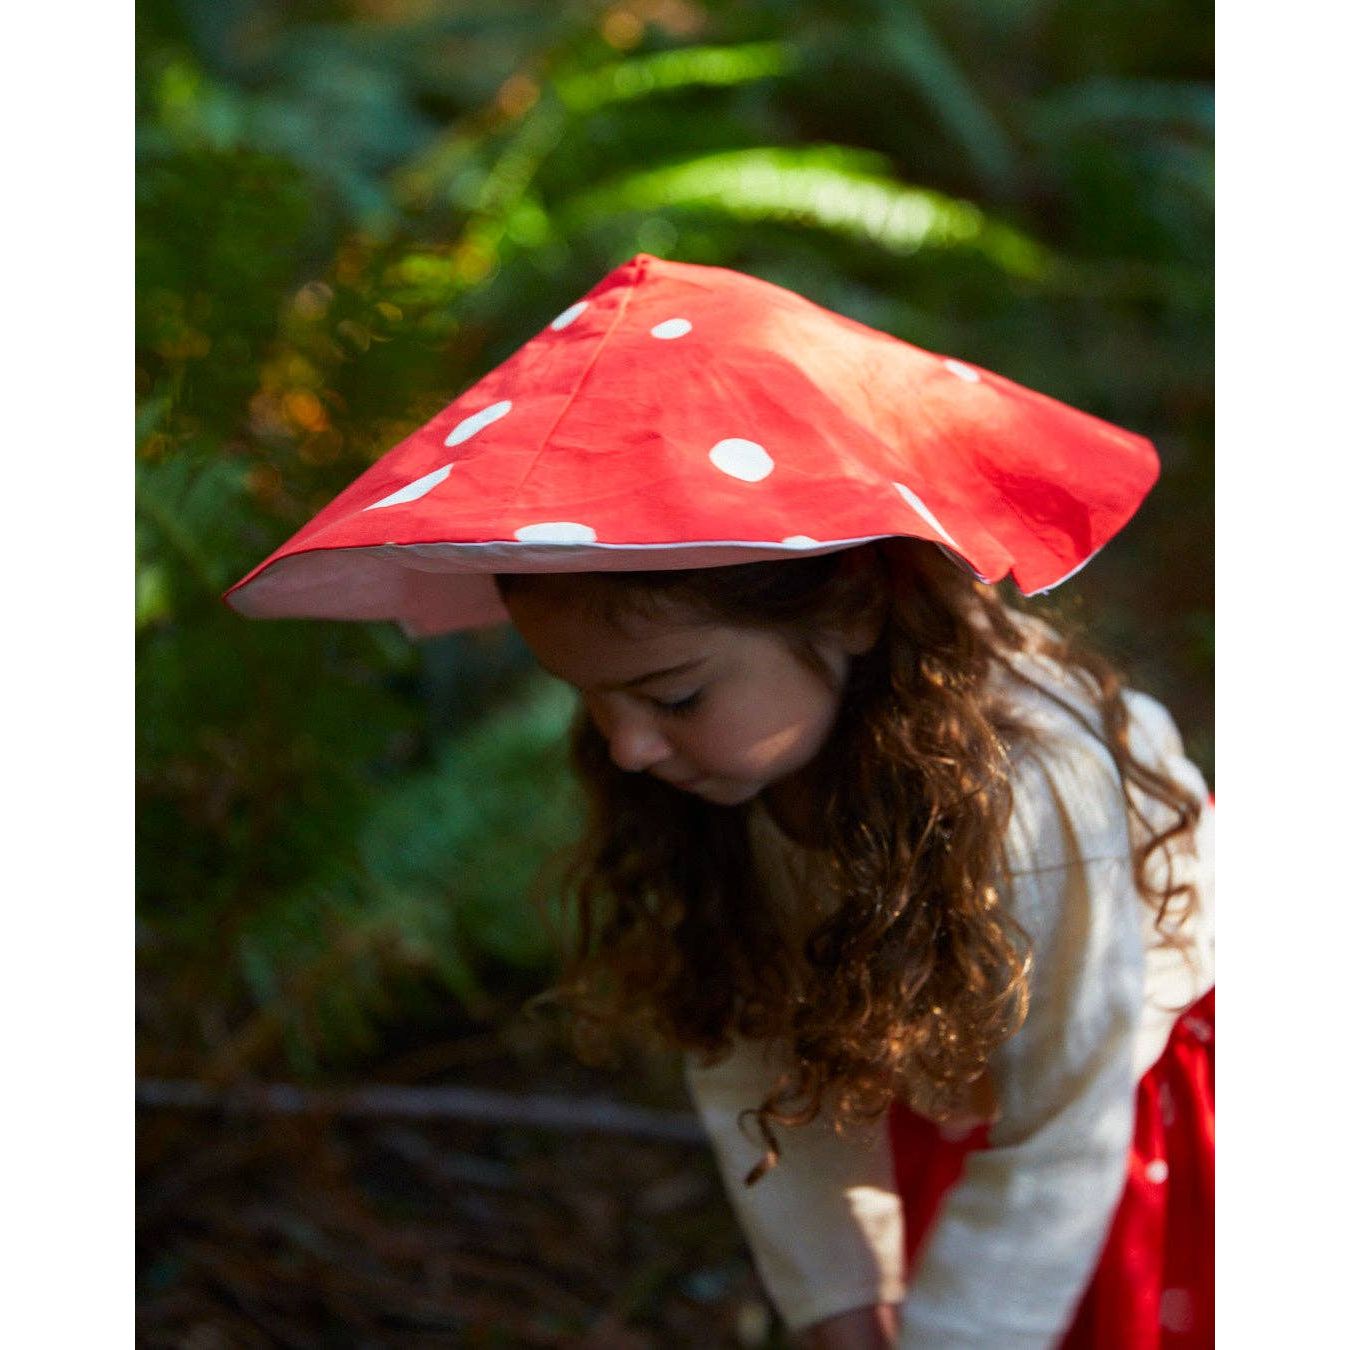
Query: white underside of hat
{"points": [[442, 587]]}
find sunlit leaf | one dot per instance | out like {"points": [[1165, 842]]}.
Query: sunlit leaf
{"points": [[825, 187], [152, 595], [684, 68]]}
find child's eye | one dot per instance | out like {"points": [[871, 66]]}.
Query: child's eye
{"points": [[680, 705]]}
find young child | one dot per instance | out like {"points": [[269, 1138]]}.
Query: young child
{"points": [[921, 891]]}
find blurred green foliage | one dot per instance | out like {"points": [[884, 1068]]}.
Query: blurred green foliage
{"points": [[348, 210]]}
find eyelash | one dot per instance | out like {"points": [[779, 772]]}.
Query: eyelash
{"points": [[681, 706]]}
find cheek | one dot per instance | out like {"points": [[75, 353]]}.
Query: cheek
{"points": [[771, 736], [805, 724], [783, 740]]}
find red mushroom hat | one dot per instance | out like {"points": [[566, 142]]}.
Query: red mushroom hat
{"points": [[688, 416]]}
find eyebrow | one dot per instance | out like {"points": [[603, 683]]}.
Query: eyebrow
{"points": [[649, 676]]}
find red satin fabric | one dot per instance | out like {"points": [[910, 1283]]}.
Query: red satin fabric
{"points": [[1153, 1288]]}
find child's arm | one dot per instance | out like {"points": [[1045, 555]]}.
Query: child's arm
{"points": [[861, 1329], [824, 1225]]}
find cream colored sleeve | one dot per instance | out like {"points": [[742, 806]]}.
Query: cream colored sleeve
{"points": [[824, 1225]]}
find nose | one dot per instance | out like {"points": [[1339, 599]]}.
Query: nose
{"points": [[635, 743]]}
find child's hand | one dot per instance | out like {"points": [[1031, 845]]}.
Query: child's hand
{"points": [[871, 1328]]}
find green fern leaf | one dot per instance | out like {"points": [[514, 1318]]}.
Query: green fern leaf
{"points": [[826, 187], [684, 68]]}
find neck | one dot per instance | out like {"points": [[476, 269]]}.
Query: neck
{"points": [[794, 806]]}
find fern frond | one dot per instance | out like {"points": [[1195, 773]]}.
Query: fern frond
{"points": [[445, 864], [1104, 102], [684, 68], [922, 59], [826, 187], [196, 511]]}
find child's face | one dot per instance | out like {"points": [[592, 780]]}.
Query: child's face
{"points": [[722, 712]]}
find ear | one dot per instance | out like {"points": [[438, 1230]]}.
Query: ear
{"points": [[861, 635], [865, 569]]}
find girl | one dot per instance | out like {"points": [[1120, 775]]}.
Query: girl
{"points": [[861, 833], [921, 891]]}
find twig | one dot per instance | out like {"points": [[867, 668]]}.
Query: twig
{"points": [[447, 1167], [387, 1101]]}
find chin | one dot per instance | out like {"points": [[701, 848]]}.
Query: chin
{"points": [[727, 794]]}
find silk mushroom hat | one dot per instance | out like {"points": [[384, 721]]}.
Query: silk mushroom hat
{"points": [[680, 415]]}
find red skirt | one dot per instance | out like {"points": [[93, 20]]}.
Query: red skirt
{"points": [[1153, 1288]]}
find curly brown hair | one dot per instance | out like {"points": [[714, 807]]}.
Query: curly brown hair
{"points": [[683, 944]]}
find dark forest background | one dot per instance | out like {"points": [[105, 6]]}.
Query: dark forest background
{"points": [[347, 212]]}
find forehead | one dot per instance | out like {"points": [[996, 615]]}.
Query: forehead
{"points": [[565, 625]]}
